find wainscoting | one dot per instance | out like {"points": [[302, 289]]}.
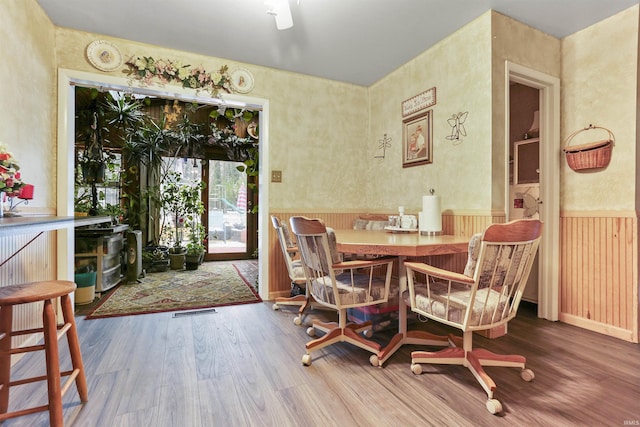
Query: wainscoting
{"points": [[35, 261], [460, 224], [599, 273], [598, 265]]}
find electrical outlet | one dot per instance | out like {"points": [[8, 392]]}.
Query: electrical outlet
{"points": [[276, 176]]}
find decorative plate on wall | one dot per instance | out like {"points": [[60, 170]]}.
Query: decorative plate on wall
{"points": [[104, 55], [242, 80]]}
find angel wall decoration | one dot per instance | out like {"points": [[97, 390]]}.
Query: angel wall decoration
{"points": [[457, 126]]}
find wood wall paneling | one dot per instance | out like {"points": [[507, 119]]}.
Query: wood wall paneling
{"points": [[599, 274], [598, 265], [35, 261], [464, 225]]}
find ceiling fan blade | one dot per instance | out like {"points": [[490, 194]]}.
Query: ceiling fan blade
{"points": [[282, 12]]}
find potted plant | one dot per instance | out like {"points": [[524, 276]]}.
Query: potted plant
{"points": [[155, 259], [182, 204], [194, 256], [173, 206], [195, 248], [114, 211]]}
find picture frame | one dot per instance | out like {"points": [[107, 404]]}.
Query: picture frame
{"points": [[417, 139]]}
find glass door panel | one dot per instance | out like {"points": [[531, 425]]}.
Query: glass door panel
{"points": [[227, 211], [190, 172]]}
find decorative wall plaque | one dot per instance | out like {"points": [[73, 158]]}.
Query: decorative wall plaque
{"points": [[419, 102]]}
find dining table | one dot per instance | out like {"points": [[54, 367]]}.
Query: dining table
{"points": [[403, 245]]}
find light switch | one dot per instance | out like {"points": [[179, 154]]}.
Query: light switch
{"points": [[276, 176]]}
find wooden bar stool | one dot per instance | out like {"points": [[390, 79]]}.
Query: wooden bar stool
{"points": [[45, 291]]}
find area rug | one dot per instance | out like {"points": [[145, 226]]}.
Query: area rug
{"points": [[213, 284]]}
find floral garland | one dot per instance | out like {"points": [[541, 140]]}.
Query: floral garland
{"points": [[10, 181], [145, 69]]}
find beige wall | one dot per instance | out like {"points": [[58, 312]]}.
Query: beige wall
{"points": [[28, 112], [459, 67], [599, 223], [317, 126], [523, 45], [27, 104], [599, 87]]}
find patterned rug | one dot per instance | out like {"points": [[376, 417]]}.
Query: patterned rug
{"points": [[213, 284]]}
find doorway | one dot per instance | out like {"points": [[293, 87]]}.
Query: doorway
{"points": [[524, 165], [549, 176], [67, 79], [231, 228]]}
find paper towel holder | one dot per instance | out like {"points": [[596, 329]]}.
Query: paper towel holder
{"points": [[433, 222]]}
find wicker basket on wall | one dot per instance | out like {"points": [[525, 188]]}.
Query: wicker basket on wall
{"points": [[592, 155]]}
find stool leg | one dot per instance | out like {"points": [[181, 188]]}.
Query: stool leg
{"points": [[74, 347], [53, 364], [6, 324]]}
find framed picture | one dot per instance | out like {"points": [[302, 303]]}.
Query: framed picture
{"points": [[417, 138]]}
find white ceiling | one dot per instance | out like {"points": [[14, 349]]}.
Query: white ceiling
{"points": [[355, 41]]}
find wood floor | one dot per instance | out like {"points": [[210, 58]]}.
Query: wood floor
{"points": [[240, 366]]}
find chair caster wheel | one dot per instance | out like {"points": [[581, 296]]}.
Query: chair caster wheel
{"points": [[311, 331], [527, 375], [416, 368], [306, 360], [297, 320], [374, 360], [494, 406]]}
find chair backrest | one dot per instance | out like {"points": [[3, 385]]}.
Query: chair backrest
{"points": [[333, 282], [507, 252], [492, 295], [289, 251]]}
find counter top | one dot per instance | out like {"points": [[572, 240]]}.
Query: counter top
{"points": [[10, 225]]}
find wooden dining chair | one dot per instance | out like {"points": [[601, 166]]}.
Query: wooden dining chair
{"points": [[299, 295], [487, 295], [340, 286]]}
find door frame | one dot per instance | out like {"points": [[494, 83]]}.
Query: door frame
{"points": [[251, 220], [68, 79], [549, 250]]}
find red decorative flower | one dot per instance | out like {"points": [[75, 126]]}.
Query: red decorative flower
{"points": [[10, 181]]}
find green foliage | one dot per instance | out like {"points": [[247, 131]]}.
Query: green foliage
{"points": [[182, 202]]}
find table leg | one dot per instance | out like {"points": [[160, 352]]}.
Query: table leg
{"points": [[402, 279], [403, 336]]}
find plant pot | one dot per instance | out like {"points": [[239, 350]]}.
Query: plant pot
{"points": [[192, 261], [159, 265], [176, 260], [93, 172]]}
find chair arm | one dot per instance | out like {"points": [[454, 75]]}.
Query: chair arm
{"points": [[362, 263], [439, 273]]}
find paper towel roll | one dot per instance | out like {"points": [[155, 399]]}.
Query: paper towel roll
{"points": [[431, 215]]}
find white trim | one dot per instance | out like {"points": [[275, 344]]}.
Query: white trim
{"points": [[68, 78], [549, 272]]}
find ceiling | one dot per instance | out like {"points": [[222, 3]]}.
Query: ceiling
{"points": [[355, 41]]}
